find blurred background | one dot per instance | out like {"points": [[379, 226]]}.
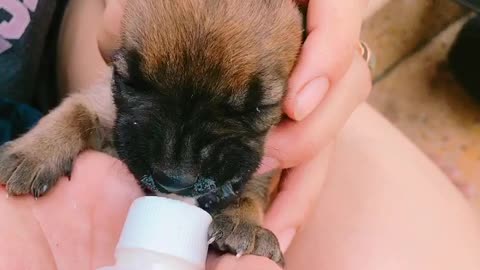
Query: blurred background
{"points": [[426, 80]]}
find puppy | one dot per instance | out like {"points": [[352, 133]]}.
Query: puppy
{"points": [[193, 90]]}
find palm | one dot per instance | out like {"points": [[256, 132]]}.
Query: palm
{"points": [[75, 226]]}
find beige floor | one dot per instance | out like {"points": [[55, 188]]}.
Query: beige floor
{"points": [[417, 93], [402, 26]]}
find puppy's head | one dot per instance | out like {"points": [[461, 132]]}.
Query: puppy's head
{"points": [[197, 86]]}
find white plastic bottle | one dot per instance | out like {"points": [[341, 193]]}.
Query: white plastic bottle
{"points": [[163, 234]]}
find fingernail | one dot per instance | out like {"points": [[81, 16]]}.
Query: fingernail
{"points": [[268, 164], [310, 96], [285, 238]]}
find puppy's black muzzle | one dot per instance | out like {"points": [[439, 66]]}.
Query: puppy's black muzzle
{"points": [[175, 184]]}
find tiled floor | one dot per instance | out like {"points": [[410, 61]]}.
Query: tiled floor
{"points": [[421, 98], [401, 26]]}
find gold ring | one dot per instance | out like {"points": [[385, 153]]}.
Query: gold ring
{"points": [[367, 54]]}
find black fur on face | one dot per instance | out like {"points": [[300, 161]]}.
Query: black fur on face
{"points": [[186, 132]]}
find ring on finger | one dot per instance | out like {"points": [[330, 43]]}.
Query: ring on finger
{"points": [[367, 54]]}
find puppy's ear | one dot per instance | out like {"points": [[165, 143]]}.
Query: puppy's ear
{"points": [[110, 29]]}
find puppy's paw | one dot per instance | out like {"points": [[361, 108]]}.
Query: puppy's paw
{"points": [[231, 234], [32, 167]]}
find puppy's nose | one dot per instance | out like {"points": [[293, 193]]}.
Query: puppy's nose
{"points": [[175, 183]]}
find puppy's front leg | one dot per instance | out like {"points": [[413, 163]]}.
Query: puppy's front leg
{"points": [[34, 162], [238, 228]]}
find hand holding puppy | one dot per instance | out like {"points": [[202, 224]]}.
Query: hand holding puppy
{"points": [[330, 80], [95, 236]]}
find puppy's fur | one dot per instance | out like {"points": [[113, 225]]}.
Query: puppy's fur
{"points": [[194, 89]]}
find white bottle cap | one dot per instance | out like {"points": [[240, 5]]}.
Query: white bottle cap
{"points": [[169, 227]]}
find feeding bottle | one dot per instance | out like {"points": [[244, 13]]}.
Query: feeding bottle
{"points": [[162, 234]]}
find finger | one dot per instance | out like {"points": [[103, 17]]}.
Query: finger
{"points": [[109, 32], [333, 29], [321, 126], [94, 205], [298, 192], [23, 243]]}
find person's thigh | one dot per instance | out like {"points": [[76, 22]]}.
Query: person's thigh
{"points": [[386, 206]]}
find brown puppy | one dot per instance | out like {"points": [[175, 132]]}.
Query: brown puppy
{"points": [[194, 89]]}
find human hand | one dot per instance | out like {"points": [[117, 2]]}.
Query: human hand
{"points": [[301, 185], [317, 112], [319, 101], [76, 225], [328, 83], [318, 107]]}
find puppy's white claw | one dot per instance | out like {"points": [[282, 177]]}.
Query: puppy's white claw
{"points": [[44, 188], [239, 254], [7, 195], [211, 240]]}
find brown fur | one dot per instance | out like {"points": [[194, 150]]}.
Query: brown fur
{"points": [[228, 29], [34, 162], [225, 34], [238, 228]]}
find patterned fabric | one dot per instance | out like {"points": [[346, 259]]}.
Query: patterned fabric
{"points": [[28, 33]]}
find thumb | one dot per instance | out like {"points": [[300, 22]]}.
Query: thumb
{"points": [[297, 197], [333, 29]]}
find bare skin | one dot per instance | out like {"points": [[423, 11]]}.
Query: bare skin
{"points": [[380, 211]]}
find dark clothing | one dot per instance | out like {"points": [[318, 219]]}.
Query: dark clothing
{"points": [[28, 37], [16, 119]]}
